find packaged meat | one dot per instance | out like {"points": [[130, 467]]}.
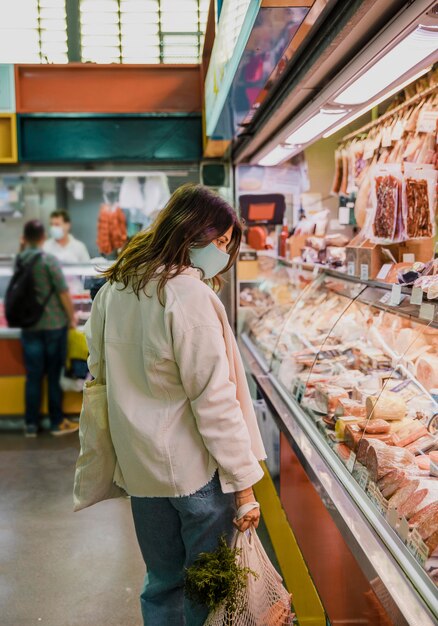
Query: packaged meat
{"points": [[424, 444], [409, 434], [387, 202], [388, 406], [337, 240], [327, 397], [419, 186], [406, 490], [423, 462], [350, 407], [382, 460], [353, 435], [392, 481], [374, 426]]}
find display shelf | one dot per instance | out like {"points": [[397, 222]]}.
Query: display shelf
{"points": [[408, 595], [7, 89], [8, 138]]}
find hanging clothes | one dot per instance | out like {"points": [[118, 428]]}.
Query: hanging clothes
{"points": [[131, 196], [111, 229], [156, 193]]}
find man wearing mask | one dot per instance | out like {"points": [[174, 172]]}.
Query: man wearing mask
{"points": [[62, 244]]}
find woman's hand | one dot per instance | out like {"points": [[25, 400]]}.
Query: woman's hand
{"points": [[251, 518]]}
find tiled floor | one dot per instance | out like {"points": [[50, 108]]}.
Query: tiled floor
{"points": [[59, 568]]}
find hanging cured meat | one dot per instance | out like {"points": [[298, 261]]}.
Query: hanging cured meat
{"points": [[418, 222], [388, 196]]}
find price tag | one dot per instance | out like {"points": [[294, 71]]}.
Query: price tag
{"points": [[344, 215], [397, 131], [416, 295], [351, 268], [351, 461], [427, 312], [409, 258], [364, 271], [427, 121], [385, 298], [299, 391], [315, 271], [362, 476], [396, 293], [392, 518], [384, 271], [417, 547], [403, 528], [386, 137]]}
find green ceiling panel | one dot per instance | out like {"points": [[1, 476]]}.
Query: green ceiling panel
{"points": [[147, 138]]}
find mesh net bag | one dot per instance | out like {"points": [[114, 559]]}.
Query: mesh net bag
{"points": [[265, 601]]}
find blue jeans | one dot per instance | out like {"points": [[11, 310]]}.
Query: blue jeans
{"points": [[172, 532], [44, 353]]}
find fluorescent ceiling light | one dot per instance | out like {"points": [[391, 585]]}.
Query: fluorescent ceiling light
{"points": [[374, 103], [278, 154], [316, 125], [407, 54], [100, 174]]}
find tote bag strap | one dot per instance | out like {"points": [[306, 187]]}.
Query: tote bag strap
{"points": [[100, 378]]}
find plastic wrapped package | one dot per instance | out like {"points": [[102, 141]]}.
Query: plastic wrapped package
{"points": [[387, 184], [419, 196]]}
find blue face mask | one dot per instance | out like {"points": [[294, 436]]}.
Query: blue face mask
{"points": [[210, 259]]}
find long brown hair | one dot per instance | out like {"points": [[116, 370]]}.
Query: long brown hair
{"points": [[193, 218]]}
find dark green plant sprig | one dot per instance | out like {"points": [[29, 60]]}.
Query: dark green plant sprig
{"points": [[215, 577]]}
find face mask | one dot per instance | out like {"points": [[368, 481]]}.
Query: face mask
{"points": [[57, 232], [210, 259]]}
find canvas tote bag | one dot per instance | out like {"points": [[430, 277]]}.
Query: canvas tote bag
{"points": [[97, 459]]}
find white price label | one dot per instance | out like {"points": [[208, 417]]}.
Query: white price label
{"points": [[384, 271], [344, 215], [427, 121], [392, 517], [386, 298], [408, 257], [351, 268], [364, 271], [315, 271], [416, 296], [427, 312], [396, 295], [417, 547]]}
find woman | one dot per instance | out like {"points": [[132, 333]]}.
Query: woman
{"points": [[187, 454]]}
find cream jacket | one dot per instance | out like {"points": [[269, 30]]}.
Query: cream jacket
{"points": [[179, 404]]}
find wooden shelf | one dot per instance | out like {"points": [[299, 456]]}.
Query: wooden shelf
{"points": [[8, 138]]}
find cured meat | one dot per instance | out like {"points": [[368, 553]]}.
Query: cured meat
{"points": [[423, 462], [363, 446], [423, 444], [426, 370], [392, 481], [432, 542], [406, 490], [374, 427], [350, 407], [418, 222], [388, 406], [428, 525], [336, 185], [327, 397], [388, 206], [382, 460], [423, 513], [422, 497], [410, 434], [344, 180], [353, 435]]}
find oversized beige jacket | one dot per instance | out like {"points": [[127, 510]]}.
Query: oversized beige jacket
{"points": [[179, 404]]}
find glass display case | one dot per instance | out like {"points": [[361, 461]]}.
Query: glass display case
{"points": [[356, 365]]}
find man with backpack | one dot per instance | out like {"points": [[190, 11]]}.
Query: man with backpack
{"points": [[38, 301]]}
